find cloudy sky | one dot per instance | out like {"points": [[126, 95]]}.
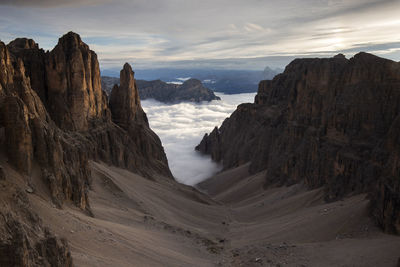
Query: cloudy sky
{"points": [[233, 34]]}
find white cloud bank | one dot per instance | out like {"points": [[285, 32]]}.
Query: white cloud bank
{"points": [[182, 126]]}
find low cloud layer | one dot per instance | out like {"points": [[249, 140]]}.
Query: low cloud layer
{"points": [[182, 126]]}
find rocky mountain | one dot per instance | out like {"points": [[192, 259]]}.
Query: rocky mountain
{"points": [[331, 123], [54, 119], [191, 90], [227, 81]]}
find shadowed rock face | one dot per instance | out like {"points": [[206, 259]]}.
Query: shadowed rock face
{"points": [[54, 113], [62, 119], [24, 240], [144, 149], [325, 122], [45, 129]]}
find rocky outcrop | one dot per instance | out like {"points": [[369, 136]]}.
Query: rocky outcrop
{"points": [[30, 135], [143, 149], [67, 80], [190, 91], [34, 63], [54, 115], [66, 121], [125, 102], [24, 240], [325, 122], [74, 95]]}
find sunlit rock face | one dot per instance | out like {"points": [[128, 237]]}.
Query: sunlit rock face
{"points": [[325, 122], [54, 115], [125, 102], [73, 84], [54, 112]]}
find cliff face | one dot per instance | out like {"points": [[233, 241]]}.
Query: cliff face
{"points": [[54, 114], [325, 122], [67, 80], [71, 122], [74, 95], [144, 148], [125, 102]]}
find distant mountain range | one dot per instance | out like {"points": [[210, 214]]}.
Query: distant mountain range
{"points": [[192, 90], [226, 81]]}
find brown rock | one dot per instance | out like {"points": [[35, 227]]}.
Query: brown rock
{"points": [[124, 100], [2, 174], [24, 241], [34, 63], [74, 95], [323, 122], [53, 113], [74, 99], [142, 151], [19, 146], [6, 70]]}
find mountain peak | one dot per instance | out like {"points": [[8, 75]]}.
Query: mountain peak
{"points": [[340, 55], [127, 77], [23, 43], [71, 39]]}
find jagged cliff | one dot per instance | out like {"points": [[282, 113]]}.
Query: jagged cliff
{"points": [[53, 114], [325, 122]]}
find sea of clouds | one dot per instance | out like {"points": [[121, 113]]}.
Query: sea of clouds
{"points": [[182, 126]]}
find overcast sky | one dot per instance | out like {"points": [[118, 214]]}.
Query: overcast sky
{"points": [[237, 34]]}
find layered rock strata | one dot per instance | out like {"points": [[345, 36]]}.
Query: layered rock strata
{"points": [[324, 122], [54, 115], [66, 120]]}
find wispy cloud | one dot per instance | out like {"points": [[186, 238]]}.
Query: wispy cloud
{"points": [[148, 33]]}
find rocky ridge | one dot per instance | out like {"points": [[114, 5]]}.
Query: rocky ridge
{"points": [[191, 90], [323, 122], [54, 115]]}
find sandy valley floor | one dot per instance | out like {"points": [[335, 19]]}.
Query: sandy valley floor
{"points": [[138, 222]]}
